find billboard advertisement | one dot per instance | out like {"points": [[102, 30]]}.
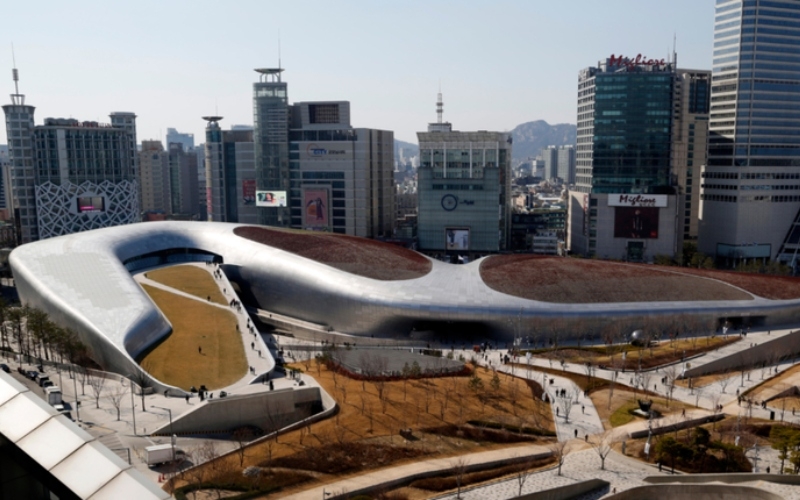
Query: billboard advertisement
{"points": [[315, 208], [636, 222], [249, 191], [456, 238], [270, 198]]}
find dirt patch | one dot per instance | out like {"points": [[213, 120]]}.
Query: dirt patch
{"points": [[359, 256], [568, 280]]}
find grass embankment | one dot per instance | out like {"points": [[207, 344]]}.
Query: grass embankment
{"points": [[367, 427], [189, 279], [177, 360], [661, 353]]}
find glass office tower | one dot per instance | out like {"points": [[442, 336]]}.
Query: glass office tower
{"points": [[751, 184], [271, 138], [624, 203], [624, 129]]}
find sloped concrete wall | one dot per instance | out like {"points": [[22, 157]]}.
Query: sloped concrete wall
{"points": [[268, 410], [768, 352]]}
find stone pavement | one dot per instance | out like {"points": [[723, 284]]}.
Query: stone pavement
{"points": [[436, 464], [621, 472]]}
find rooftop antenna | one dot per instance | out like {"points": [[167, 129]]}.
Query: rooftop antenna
{"points": [[16, 98], [439, 104], [279, 49], [674, 49]]}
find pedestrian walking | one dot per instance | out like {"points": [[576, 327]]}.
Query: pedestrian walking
{"points": [[583, 408], [199, 350], [576, 433]]}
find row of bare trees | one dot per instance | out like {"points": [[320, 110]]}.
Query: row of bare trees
{"points": [[29, 332]]}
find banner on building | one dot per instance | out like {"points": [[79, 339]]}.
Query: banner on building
{"points": [[270, 198], [327, 150], [249, 191], [315, 209], [636, 222], [637, 200], [456, 238]]}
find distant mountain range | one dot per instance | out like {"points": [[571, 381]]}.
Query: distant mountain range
{"points": [[529, 139]]}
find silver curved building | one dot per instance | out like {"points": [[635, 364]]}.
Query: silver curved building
{"points": [[84, 281]]}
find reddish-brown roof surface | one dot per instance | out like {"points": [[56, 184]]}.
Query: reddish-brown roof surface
{"points": [[360, 256], [566, 280], [764, 285]]}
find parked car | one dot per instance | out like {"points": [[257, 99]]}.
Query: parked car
{"points": [[32, 374], [5, 368]]}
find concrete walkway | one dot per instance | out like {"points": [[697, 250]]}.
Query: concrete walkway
{"points": [[372, 479]]}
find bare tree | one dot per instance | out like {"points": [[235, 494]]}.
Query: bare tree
{"points": [[194, 474], [97, 381], [644, 380], [242, 436], [459, 467], [565, 404], [723, 382], [601, 444], [116, 395], [523, 473], [671, 374], [560, 450]]}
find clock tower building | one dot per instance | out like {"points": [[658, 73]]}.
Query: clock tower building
{"points": [[464, 190]]}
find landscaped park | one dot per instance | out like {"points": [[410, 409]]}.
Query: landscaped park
{"points": [[388, 422], [548, 389]]}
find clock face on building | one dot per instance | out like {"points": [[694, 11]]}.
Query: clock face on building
{"points": [[449, 202]]}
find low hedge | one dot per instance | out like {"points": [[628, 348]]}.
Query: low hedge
{"points": [[512, 428]]}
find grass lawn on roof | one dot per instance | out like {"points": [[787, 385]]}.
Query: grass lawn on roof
{"points": [[189, 279], [176, 360]]}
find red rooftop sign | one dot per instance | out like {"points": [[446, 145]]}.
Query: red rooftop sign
{"points": [[631, 63]]}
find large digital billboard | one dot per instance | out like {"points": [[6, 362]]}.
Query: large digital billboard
{"points": [[315, 208], [456, 238], [270, 198], [636, 222]]}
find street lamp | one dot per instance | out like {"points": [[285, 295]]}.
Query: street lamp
{"points": [[170, 427]]}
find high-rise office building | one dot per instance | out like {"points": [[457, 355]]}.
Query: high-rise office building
{"points": [[464, 189], [624, 203], [230, 174], [70, 176], [751, 184], [184, 139], [550, 158], [155, 179], [183, 182], [271, 139], [565, 164], [689, 143], [341, 177], [313, 170]]}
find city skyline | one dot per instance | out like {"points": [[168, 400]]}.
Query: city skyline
{"points": [[498, 66]]}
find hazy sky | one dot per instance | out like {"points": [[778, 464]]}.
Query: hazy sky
{"points": [[500, 63]]}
